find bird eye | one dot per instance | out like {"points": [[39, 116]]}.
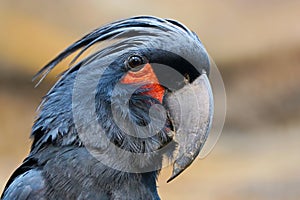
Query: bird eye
{"points": [[135, 62]]}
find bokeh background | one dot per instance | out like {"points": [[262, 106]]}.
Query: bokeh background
{"points": [[256, 45]]}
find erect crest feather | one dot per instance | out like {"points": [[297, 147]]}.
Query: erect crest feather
{"points": [[108, 32]]}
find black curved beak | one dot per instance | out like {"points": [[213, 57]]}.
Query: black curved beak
{"points": [[191, 112]]}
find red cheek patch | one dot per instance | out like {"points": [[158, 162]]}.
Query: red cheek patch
{"points": [[147, 77]]}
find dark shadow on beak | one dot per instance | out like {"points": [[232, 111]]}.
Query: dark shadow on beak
{"points": [[190, 111]]}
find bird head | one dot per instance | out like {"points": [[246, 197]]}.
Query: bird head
{"points": [[142, 95]]}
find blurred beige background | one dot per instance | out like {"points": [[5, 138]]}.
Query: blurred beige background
{"points": [[256, 45]]}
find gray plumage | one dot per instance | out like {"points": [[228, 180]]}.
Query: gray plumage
{"points": [[59, 165]]}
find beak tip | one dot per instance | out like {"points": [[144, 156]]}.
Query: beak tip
{"points": [[175, 173], [178, 168]]}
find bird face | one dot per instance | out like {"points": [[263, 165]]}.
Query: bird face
{"points": [[143, 96]]}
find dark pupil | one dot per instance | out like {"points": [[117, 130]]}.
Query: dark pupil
{"points": [[135, 61]]}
